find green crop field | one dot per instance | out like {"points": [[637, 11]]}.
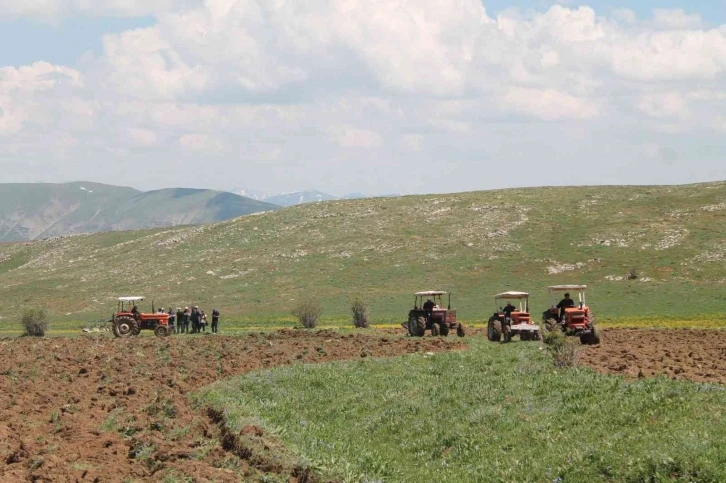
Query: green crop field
{"points": [[494, 412], [256, 268]]}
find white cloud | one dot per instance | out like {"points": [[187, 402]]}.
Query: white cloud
{"points": [[676, 19], [350, 137], [266, 81], [201, 142], [142, 137], [549, 104], [664, 105]]}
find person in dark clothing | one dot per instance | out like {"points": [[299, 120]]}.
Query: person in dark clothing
{"points": [[179, 320], [508, 309], [135, 313], [215, 320], [172, 319], [196, 319], [428, 307], [187, 317], [565, 303]]}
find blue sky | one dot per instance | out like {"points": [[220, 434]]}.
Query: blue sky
{"points": [[378, 97]]}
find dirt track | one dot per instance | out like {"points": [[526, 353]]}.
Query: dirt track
{"points": [[696, 354], [101, 409]]}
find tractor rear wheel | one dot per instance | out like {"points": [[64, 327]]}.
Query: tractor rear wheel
{"points": [[460, 330], [416, 326], [435, 329], [595, 336], [161, 331], [124, 327], [494, 330]]}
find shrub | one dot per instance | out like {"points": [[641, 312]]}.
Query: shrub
{"points": [[564, 354], [633, 274], [35, 322], [308, 313], [360, 313]]}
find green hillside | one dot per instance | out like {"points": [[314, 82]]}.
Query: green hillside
{"points": [[255, 268], [39, 210]]}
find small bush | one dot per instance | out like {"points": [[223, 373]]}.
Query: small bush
{"points": [[308, 313], [360, 313], [35, 322], [564, 354], [633, 274]]}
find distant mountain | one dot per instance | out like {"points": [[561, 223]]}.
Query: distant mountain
{"points": [[299, 198], [30, 211]]}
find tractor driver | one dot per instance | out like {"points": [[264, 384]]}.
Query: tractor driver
{"points": [[428, 307], [508, 309], [135, 312], [565, 303]]}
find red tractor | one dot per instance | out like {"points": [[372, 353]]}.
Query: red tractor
{"points": [[128, 321], [572, 317], [518, 322], [430, 315]]}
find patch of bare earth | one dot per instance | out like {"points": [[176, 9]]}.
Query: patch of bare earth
{"points": [[101, 409], [695, 354]]}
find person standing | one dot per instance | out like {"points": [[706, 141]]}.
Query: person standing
{"points": [[171, 320], [179, 319], [196, 318], [187, 317], [203, 321], [215, 320]]}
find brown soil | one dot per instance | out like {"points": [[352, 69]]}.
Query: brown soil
{"points": [[696, 354], [102, 409]]}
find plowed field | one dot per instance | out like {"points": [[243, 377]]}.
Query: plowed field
{"points": [[696, 354], [99, 409]]}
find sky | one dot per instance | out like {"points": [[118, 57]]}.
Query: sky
{"points": [[401, 96]]}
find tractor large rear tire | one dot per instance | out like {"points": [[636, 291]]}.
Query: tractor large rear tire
{"points": [[435, 329], [591, 338], [460, 330], [494, 330], [416, 326], [125, 327]]}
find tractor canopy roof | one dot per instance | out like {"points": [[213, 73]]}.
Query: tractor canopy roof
{"points": [[129, 299], [511, 295], [564, 288], [429, 293]]}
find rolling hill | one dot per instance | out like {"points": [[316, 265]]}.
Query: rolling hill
{"points": [[39, 210], [256, 268]]}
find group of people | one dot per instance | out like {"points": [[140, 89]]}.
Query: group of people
{"points": [[192, 321]]}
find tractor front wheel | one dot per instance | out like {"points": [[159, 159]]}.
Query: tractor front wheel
{"points": [[524, 335], [494, 330], [161, 331], [507, 333], [416, 326], [460, 330], [444, 330], [435, 329], [124, 327]]}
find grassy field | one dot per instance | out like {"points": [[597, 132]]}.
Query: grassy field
{"points": [[256, 268], [496, 413]]}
